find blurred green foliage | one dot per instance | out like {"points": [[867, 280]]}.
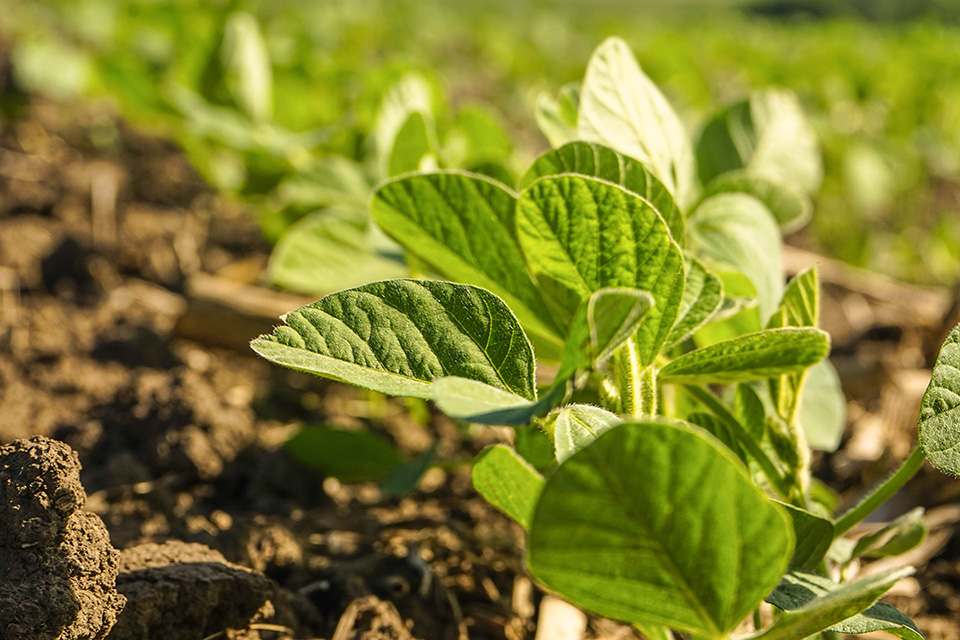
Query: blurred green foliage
{"points": [[266, 96]]}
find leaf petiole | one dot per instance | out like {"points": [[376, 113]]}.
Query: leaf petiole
{"points": [[882, 493]]}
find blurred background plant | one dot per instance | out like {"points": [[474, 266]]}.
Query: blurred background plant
{"points": [[298, 109]]}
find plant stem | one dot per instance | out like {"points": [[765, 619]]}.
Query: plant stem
{"points": [[638, 384], [740, 435], [882, 493]]}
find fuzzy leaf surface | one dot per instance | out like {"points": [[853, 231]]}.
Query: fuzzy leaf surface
{"points": [[657, 524], [602, 162], [940, 409], [814, 603], [577, 425], [582, 234], [396, 336], [620, 107], [753, 356], [463, 226], [508, 482]]}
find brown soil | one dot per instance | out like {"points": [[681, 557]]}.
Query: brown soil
{"points": [[101, 229]]}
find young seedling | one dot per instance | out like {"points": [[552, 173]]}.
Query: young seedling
{"points": [[679, 496]]}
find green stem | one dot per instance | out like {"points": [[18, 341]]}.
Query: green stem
{"points": [[882, 493], [638, 384], [740, 435]]}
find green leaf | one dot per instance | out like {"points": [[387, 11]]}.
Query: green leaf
{"points": [[702, 299], [577, 425], [329, 250], [749, 411], [623, 109], [750, 357], [767, 136], [801, 302], [349, 456], [557, 117], [508, 482], [800, 307], [814, 536], [463, 225], [476, 137], [940, 409], [479, 402], [656, 524], [602, 162], [789, 205], [895, 538], [410, 95], [581, 234], [814, 603], [412, 145], [535, 446], [396, 336], [823, 407], [602, 324], [736, 231], [246, 64]]}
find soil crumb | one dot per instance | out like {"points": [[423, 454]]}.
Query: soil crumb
{"points": [[58, 565]]}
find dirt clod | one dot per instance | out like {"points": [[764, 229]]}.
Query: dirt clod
{"points": [[184, 591], [58, 566]]}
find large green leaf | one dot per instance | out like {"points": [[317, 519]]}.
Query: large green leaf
{"points": [[582, 234], [328, 251], [657, 524], [767, 353], [602, 324], [508, 482], [814, 603], [602, 162], [623, 109], [940, 409], [463, 225], [577, 425], [702, 299], [396, 336], [735, 230], [768, 136]]}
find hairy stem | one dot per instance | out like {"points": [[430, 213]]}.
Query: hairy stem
{"points": [[638, 384], [882, 493]]}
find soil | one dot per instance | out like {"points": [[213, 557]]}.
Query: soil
{"points": [[221, 533]]}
